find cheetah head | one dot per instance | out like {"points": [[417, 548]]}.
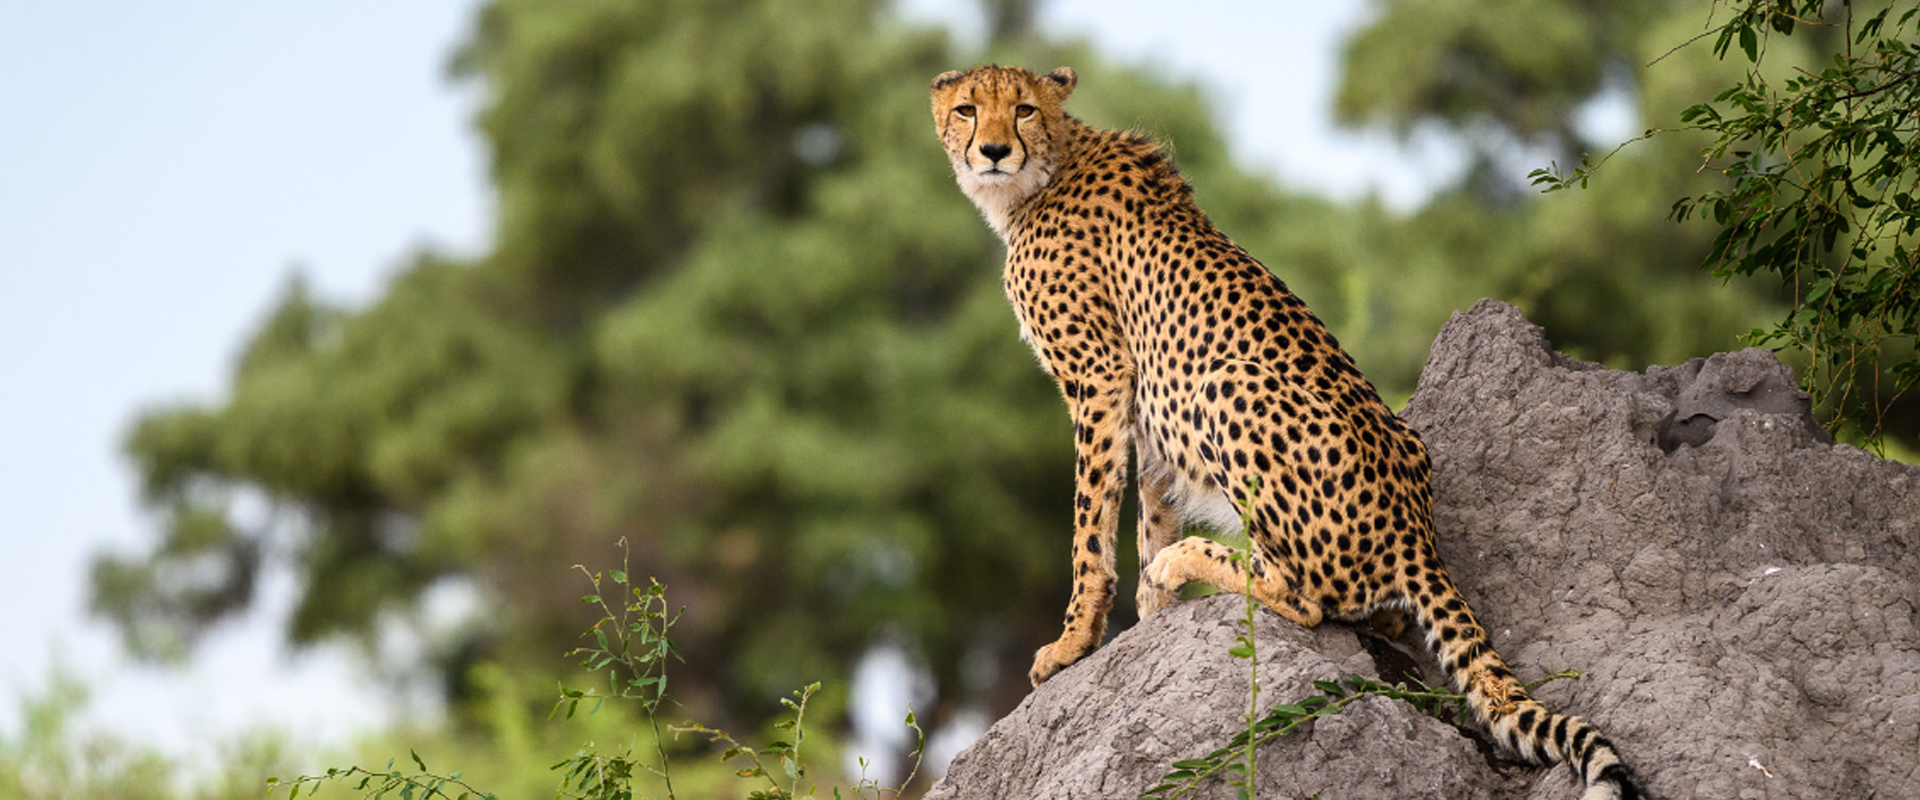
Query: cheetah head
{"points": [[1004, 131]]}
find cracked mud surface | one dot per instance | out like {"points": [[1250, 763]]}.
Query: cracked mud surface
{"points": [[1740, 592]]}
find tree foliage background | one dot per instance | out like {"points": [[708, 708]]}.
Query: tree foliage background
{"points": [[738, 315]]}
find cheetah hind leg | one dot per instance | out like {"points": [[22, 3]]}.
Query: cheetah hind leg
{"points": [[1159, 527], [1200, 559]]}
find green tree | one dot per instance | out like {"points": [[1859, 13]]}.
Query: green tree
{"points": [[1819, 189], [1603, 271]]}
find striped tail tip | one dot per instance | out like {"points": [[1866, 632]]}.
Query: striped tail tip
{"points": [[1613, 782], [1606, 776]]}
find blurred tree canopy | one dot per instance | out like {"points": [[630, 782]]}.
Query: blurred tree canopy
{"points": [[738, 314], [1818, 189], [1603, 271]]}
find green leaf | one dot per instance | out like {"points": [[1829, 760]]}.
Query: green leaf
{"points": [[1819, 290]]}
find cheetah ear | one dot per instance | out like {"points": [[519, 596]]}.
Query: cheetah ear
{"points": [[945, 78], [1065, 79]]}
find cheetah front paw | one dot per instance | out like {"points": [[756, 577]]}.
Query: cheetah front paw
{"points": [[1051, 659]]}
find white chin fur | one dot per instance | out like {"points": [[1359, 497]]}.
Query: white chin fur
{"points": [[997, 194]]}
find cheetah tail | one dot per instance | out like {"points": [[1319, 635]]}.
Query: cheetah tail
{"points": [[1518, 721]]}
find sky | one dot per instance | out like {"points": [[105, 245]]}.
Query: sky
{"points": [[164, 169]]}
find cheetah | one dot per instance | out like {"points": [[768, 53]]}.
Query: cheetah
{"points": [[1165, 337]]}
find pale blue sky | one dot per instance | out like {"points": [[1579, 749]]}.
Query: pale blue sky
{"points": [[163, 167]]}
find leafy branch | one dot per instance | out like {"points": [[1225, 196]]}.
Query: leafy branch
{"points": [[1822, 170], [638, 649], [1552, 179], [421, 785], [1188, 774], [1246, 645], [791, 768]]}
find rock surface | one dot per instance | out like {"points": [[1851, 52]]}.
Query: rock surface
{"points": [[1740, 593]]}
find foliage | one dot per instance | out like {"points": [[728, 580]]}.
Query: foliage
{"points": [[1247, 645], [389, 781], [1825, 197], [1508, 85], [1236, 757], [57, 756], [792, 768], [1521, 65], [1820, 184], [634, 641], [52, 760], [631, 646]]}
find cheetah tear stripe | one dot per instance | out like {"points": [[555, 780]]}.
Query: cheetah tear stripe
{"points": [[1171, 344]]}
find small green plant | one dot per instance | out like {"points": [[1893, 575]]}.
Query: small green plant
{"points": [[791, 768], [631, 647], [423, 784], [1188, 774], [1246, 645]]}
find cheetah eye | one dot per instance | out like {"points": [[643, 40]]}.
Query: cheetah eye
{"points": [[1023, 110], [966, 112]]}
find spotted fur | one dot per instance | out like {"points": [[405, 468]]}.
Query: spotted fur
{"points": [[1166, 337]]}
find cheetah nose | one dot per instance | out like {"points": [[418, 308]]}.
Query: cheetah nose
{"points": [[995, 151]]}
